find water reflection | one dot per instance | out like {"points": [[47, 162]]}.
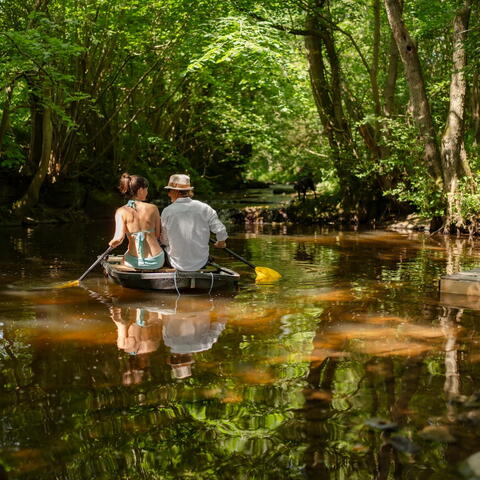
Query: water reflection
{"points": [[193, 325], [294, 380], [138, 334]]}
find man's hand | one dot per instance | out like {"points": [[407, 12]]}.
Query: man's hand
{"points": [[220, 244]]}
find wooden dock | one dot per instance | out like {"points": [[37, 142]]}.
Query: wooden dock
{"points": [[461, 283]]}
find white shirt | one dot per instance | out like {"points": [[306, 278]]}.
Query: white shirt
{"points": [[186, 227], [190, 333]]}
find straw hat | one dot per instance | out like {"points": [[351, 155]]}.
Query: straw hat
{"points": [[179, 181]]}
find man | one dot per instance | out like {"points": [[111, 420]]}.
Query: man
{"points": [[186, 226]]}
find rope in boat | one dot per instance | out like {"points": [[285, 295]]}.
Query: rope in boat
{"points": [[176, 287], [211, 284], [175, 282]]}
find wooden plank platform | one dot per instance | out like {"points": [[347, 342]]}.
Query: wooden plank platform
{"points": [[461, 283], [471, 302]]}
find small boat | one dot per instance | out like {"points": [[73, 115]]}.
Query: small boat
{"points": [[211, 278]]}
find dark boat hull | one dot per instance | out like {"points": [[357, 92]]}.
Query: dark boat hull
{"points": [[170, 280]]}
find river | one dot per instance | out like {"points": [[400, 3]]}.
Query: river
{"points": [[351, 366]]}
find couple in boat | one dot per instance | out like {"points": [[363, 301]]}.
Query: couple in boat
{"points": [[183, 228]]}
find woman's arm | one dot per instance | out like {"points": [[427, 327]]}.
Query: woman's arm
{"points": [[119, 230]]}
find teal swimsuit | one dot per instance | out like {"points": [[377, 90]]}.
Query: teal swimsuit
{"points": [[140, 262]]}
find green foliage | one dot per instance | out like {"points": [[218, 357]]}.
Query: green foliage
{"points": [[467, 202], [222, 91]]}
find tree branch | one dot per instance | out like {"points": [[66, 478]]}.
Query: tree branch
{"points": [[312, 33]]}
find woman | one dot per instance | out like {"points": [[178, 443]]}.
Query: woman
{"points": [[140, 222]]}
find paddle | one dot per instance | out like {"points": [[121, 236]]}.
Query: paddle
{"points": [[75, 283], [264, 274]]}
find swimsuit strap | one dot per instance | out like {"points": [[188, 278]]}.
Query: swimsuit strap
{"points": [[139, 240], [140, 317], [139, 236]]}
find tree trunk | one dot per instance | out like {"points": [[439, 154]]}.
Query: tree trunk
{"points": [[454, 160], [416, 85], [375, 59], [320, 89], [30, 198], [36, 121], [4, 121], [327, 92], [391, 80], [476, 108]]}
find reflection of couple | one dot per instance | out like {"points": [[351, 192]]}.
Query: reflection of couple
{"points": [[187, 334], [139, 333]]}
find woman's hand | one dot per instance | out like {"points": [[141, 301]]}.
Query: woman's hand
{"points": [[114, 243], [220, 244]]}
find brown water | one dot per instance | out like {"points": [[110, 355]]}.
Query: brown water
{"points": [[295, 380]]}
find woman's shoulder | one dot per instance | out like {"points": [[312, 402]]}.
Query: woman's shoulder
{"points": [[121, 210], [149, 208]]}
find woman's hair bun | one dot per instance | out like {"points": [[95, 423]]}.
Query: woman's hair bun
{"points": [[130, 184], [124, 184]]}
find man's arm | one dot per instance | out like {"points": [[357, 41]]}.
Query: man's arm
{"points": [[163, 234], [218, 228]]}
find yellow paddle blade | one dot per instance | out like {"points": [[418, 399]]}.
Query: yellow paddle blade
{"points": [[265, 274], [73, 283]]}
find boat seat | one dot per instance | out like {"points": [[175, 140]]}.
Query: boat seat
{"points": [[122, 267], [116, 262]]}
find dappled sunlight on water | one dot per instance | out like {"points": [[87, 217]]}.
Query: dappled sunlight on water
{"points": [[351, 364]]}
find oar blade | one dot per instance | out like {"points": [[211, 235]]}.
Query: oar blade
{"points": [[73, 283], [266, 275]]}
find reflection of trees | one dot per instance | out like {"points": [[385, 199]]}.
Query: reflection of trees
{"points": [[302, 254], [266, 400], [449, 323], [317, 410], [343, 391]]}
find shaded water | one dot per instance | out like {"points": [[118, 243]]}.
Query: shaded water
{"points": [[351, 366]]}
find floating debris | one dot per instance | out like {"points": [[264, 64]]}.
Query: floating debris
{"points": [[472, 416], [457, 399], [437, 433], [403, 444], [382, 424], [320, 395], [471, 466], [473, 401]]}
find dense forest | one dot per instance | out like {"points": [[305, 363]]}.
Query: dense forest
{"points": [[377, 101]]}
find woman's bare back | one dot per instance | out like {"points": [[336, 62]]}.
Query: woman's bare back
{"points": [[145, 218]]}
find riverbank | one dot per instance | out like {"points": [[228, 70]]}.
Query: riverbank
{"points": [[276, 204], [304, 215]]}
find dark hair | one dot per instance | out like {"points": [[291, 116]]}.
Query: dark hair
{"points": [[130, 184], [185, 193]]}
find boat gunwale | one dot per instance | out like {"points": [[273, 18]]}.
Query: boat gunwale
{"points": [[224, 273]]}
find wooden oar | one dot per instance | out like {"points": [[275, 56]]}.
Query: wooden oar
{"points": [[264, 274], [75, 283]]}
